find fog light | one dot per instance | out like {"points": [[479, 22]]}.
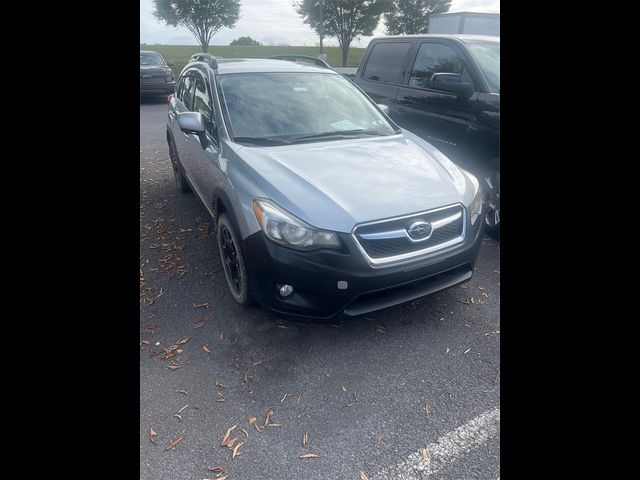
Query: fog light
{"points": [[286, 290]]}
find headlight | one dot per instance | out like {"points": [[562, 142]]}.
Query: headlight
{"points": [[285, 229], [475, 207]]}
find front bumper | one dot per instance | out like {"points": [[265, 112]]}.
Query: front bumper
{"points": [[315, 276], [157, 88]]}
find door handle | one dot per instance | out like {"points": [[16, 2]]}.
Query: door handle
{"points": [[405, 101]]}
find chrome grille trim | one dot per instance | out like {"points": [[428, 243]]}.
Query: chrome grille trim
{"points": [[397, 233]]}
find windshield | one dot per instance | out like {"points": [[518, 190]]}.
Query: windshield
{"points": [[151, 59], [487, 55], [290, 105]]}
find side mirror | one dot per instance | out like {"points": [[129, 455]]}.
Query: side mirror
{"points": [[451, 82], [384, 108], [193, 123]]}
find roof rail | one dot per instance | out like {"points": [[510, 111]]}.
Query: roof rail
{"points": [[206, 58], [293, 58]]}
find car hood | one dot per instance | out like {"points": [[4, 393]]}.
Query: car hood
{"points": [[153, 69], [335, 185]]}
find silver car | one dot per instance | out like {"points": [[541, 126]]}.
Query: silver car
{"points": [[324, 208]]}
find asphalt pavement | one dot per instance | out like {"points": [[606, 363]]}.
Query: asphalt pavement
{"points": [[410, 392]]}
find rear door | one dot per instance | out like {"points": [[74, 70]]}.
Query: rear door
{"points": [[441, 118], [383, 69]]}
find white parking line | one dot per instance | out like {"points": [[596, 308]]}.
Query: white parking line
{"points": [[447, 449]]}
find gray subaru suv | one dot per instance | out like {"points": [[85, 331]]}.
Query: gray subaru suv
{"points": [[324, 208]]}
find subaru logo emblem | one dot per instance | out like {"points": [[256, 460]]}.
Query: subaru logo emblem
{"points": [[419, 230]]}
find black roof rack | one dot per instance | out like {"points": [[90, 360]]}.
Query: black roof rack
{"points": [[293, 58], [206, 58]]}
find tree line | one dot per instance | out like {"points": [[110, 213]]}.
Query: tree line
{"points": [[344, 20]]}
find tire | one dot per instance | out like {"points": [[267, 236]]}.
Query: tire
{"points": [[181, 181], [492, 218], [233, 261]]}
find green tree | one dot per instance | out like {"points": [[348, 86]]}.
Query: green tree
{"points": [[343, 19], [203, 18], [412, 16], [242, 41]]}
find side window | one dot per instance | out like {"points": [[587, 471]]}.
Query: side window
{"points": [[435, 58], [202, 103], [186, 95], [386, 61], [179, 88]]}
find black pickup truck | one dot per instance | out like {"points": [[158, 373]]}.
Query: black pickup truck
{"points": [[445, 89]]}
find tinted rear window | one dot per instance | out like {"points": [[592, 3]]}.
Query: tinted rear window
{"points": [[386, 61]]}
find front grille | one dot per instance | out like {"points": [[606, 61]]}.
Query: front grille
{"points": [[389, 241], [154, 79]]}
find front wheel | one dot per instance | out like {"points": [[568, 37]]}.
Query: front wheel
{"points": [[492, 218], [233, 262]]}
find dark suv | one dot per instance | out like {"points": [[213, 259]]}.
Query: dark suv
{"points": [[156, 78], [445, 89]]}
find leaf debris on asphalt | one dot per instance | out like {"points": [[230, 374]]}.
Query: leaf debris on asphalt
{"points": [[305, 438], [200, 324], [203, 305], [283, 398], [281, 323], [184, 392], [427, 409], [226, 442], [235, 453], [152, 435], [354, 399], [219, 384], [425, 454], [220, 397], [363, 476], [309, 455], [206, 348], [173, 444], [253, 421]]}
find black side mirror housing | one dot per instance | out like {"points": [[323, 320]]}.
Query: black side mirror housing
{"points": [[451, 82]]}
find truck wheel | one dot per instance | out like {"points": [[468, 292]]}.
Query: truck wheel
{"points": [[181, 181], [233, 262], [492, 218]]}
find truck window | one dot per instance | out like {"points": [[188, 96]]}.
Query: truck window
{"points": [[435, 58], [386, 61]]}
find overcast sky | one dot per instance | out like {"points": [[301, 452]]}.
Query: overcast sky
{"points": [[270, 22]]}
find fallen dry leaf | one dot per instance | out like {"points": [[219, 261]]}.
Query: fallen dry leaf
{"points": [[152, 435], [425, 454], [299, 399], [219, 384], [380, 329], [305, 437], [217, 470], [344, 389], [309, 455], [221, 397], [184, 392], [206, 348], [173, 367], [354, 400], [235, 450], [225, 440], [285, 396], [363, 476], [173, 444], [380, 435], [427, 409], [182, 341], [281, 324], [267, 418], [245, 432], [143, 343], [202, 305], [199, 324], [467, 350]]}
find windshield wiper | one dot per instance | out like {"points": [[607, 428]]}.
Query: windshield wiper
{"points": [[262, 140], [336, 134]]}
